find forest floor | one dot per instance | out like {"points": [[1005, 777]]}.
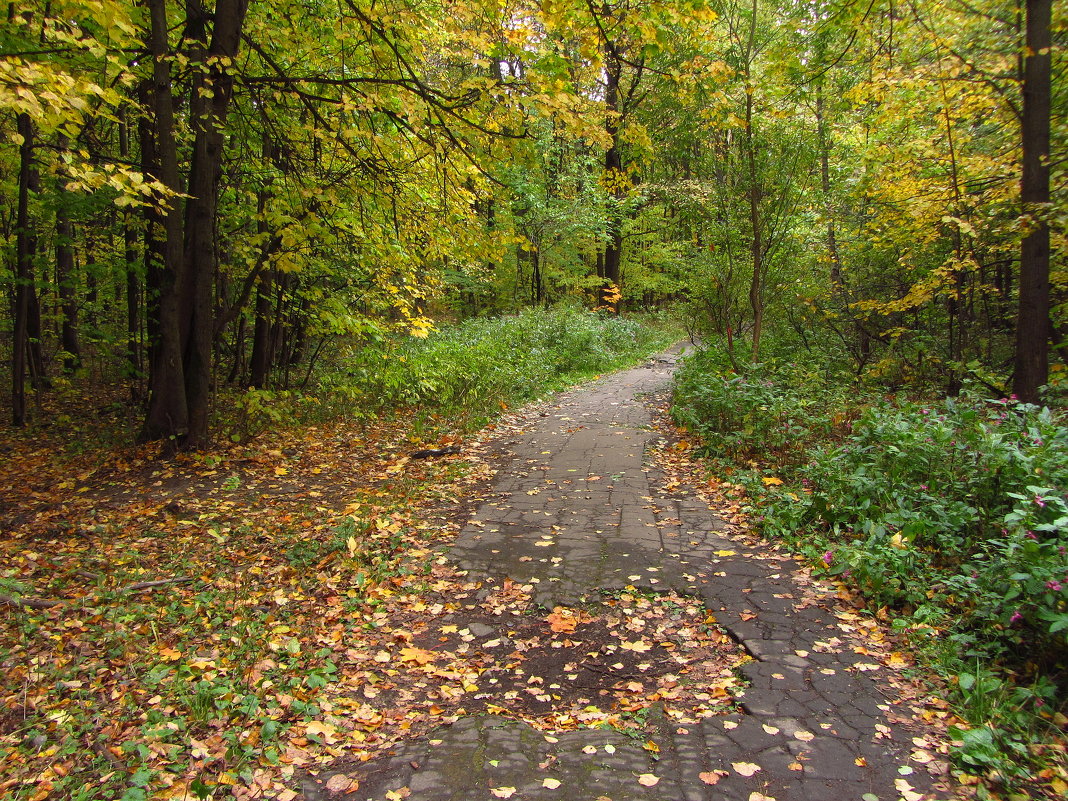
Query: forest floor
{"points": [[283, 619]]}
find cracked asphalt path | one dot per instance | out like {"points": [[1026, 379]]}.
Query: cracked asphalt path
{"points": [[579, 510]]}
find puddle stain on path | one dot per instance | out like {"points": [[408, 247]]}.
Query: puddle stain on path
{"points": [[579, 511]]}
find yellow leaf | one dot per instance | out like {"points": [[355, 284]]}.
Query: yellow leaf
{"points": [[770, 481], [648, 780], [745, 768], [420, 656], [503, 792], [319, 729]]}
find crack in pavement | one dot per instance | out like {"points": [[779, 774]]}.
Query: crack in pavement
{"points": [[579, 511]]}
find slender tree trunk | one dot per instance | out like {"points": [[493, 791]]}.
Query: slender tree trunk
{"points": [[1032, 325], [133, 278], [837, 282], [756, 286], [23, 272], [261, 336], [613, 168], [65, 276]]}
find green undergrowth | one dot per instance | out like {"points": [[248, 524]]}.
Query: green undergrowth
{"points": [[950, 515], [466, 372]]}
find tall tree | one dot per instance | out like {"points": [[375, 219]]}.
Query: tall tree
{"points": [[1033, 322]]}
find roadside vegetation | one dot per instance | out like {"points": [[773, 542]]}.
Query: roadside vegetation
{"points": [[947, 514]]}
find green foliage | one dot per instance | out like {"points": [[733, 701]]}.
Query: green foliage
{"points": [[774, 409], [480, 366], [952, 515]]}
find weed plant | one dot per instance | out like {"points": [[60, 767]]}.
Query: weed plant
{"points": [[950, 515]]}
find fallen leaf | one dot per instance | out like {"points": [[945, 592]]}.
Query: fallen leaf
{"points": [[340, 783], [648, 780], [804, 736], [503, 792], [420, 656], [745, 768], [551, 784], [562, 620], [760, 797], [906, 790], [712, 776]]}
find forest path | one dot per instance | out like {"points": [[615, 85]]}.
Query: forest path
{"points": [[578, 512]]}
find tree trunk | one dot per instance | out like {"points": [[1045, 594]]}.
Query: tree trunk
{"points": [[613, 169], [209, 104], [261, 336], [23, 272], [65, 277], [756, 285], [168, 410], [1032, 326], [133, 278], [181, 381]]}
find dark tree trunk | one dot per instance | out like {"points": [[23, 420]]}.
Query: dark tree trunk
{"points": [[181, 381], [261, 335], [1032, 325], [613, 167], [153, 228], [209, 105], [65, 275], [168, 410], [23, 273], [133, 278]]}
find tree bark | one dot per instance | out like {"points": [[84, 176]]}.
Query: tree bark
{"points": [[613, 166], [209, 105], [65, 274], [1032, 324], [181, 380], [168, 410], [23, 273]]}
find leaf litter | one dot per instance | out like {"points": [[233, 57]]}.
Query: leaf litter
{"points": [[290, 608]]}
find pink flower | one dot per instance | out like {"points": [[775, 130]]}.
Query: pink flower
{"points": [[1016, 617], [1053, 585], [828, 557]]}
